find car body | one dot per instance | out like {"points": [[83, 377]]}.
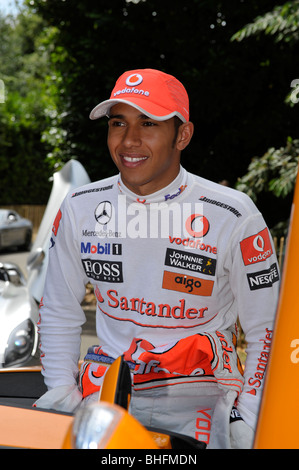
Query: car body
{"points": [[20, 296], [71, 176], [282, 376], [106, 424], [18, 318], [22, 426], [15, 231]]}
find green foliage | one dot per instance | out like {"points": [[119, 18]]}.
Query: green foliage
{"points": [[274, 172], [236, 91], [24, 171], [59, 58], [282, 23], [273, 176]]}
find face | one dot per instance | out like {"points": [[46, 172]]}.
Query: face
{"points": [[144, 150]]}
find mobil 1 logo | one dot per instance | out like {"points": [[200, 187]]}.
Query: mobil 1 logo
{"points": [[105, 271]]}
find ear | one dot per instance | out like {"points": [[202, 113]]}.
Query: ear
{"points": [[185, 134]]}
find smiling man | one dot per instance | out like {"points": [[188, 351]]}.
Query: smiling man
{"points": [[170, 283], [146, 151]]}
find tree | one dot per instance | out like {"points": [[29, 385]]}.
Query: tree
{"points": [[275, 172], [281, 23], [235, 90], [23, 167]]}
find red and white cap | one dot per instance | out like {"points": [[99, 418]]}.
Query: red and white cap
{"points": [[156, 94]]}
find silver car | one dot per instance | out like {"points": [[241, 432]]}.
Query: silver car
{"points": [[15, 231], [18, 318]]}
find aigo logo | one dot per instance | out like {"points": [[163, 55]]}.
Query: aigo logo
{"points": [[189, 284], [134, 79]]}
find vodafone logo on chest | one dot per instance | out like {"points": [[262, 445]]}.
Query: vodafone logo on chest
{"points": [[256, 248]]}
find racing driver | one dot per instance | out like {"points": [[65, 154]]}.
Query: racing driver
{"points": [[175, 260]]}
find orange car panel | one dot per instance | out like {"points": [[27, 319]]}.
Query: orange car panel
{"points": [[32, 429], [279, 413]]}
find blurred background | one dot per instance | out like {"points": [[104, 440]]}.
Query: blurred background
{"points": [[237, 58]]}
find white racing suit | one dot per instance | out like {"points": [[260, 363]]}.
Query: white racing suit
{"points": [[171, 274]]}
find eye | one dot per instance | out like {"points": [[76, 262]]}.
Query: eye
{"points": [[149, 123], [115, 123]]}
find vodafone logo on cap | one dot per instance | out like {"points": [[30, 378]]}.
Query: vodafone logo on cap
{"points": [[134, 79]]}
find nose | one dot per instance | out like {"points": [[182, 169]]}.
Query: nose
{"points": [[132, 137]]}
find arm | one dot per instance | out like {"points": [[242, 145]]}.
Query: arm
{"points": [[254, 279], [61, 315]]}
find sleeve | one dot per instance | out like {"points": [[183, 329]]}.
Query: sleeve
{"points": [[61, 314], [254, 279]]}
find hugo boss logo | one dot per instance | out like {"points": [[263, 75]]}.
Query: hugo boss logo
{"points": [[105, 271]]}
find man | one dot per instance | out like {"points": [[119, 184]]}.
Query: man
{"points": [[174, 260]]}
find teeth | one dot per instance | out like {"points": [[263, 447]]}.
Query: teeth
{"points": [[134, 159]]}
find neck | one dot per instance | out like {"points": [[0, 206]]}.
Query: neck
{"points": [[167, 193]]}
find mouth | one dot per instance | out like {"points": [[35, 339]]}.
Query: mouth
{"points": [[132, 161]]}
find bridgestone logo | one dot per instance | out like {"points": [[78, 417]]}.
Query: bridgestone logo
{"points": [[262, 279], [221, 204]]}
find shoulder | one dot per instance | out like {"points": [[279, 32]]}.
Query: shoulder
{"points": [[223, 196], [96, 187]]}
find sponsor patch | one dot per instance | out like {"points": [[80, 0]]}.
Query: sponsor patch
{"points": [[92, 190], [106, 271], [256, 248], [101, 248], [189, 284], [221, 204], [56, 222], [262, 279], [190, 261]]}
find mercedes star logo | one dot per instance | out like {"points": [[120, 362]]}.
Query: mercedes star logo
{"points": [[103, 212]]}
